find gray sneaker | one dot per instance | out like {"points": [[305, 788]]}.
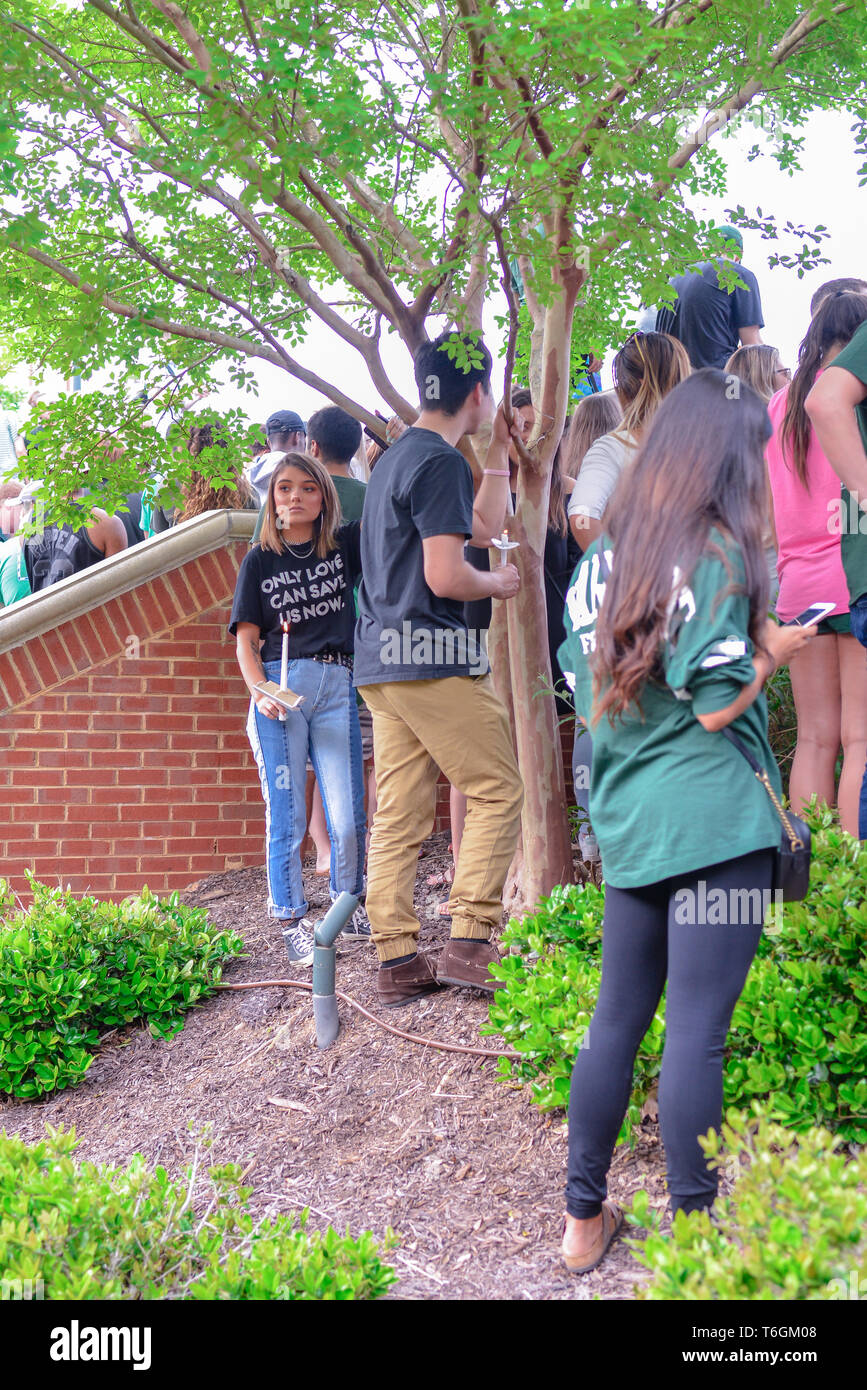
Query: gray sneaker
{"points": [[299, 942], [358, 926]]}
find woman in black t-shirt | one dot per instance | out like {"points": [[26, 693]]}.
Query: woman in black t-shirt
{"points": [[301, 576]]}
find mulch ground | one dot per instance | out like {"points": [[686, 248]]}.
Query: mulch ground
{"points": [[372, 1133]]}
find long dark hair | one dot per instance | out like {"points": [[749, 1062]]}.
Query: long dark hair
{"points": [[837, 319], [557, 518], [701, 465]]}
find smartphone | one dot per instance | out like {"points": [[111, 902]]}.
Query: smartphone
{"points": [[814, 614]]}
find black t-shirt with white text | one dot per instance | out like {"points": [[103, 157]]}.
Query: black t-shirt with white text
{"points": [[314, 596]]}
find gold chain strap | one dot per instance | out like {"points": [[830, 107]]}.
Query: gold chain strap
{"points": [[795, 841]]}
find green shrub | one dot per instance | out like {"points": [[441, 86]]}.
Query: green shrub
{"points": [[71, 967], [782, 721], [798, 1039], [793, 1227], [91, 1232]]}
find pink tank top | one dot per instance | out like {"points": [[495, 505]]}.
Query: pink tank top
{"points": [[809, 566]]}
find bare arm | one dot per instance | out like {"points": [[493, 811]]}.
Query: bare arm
{"points": [[448, 574], [750, 335], [585, 529], [782, 644], [247, 640], [831, 408], [108, 533], [492, 498]]}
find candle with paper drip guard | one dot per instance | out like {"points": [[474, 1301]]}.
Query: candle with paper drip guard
{"points": [[504, 545], [281, 694]]}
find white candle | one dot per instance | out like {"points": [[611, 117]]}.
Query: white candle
{"points": [[284, 662]]}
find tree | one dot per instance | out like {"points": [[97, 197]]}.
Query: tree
{"points": [[196, 182]]}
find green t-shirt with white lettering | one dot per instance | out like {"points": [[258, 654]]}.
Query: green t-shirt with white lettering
{"points": [[14, 583], [667, 797], [853, 538]]}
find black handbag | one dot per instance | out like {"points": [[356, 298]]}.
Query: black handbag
{"points": [[792, 863]]}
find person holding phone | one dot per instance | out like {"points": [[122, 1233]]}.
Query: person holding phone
{"points": [[829, 677], [303, 571], [668, 643]]}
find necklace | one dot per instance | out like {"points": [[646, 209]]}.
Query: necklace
{"points": [[306, 554]]}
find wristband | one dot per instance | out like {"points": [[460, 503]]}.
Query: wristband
{"points": [[497, 472]]}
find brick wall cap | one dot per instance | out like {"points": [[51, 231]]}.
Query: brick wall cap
{"points": [[60, 603]]}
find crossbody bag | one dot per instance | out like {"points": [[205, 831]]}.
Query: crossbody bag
{"points": [[792, 860]]}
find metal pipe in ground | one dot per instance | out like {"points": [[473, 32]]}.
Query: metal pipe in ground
{"points": [[325, 1014]]}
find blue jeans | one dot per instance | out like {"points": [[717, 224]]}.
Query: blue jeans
{"points": [[326, 725], [858, 620]]}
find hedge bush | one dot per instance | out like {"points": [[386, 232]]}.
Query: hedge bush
{"points": [[798, 1039], [793, 1227], [92, 1232], [72, 967]]}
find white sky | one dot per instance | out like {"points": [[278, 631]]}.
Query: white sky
{"points": [[825, 191]]}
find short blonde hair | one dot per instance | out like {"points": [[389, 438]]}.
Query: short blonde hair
{"points": [[325, 525]]}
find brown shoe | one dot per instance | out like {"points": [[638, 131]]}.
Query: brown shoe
{"points": [[465, 962], [612, 1222], [400, 984]]}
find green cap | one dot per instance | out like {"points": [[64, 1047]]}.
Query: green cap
{"points": [[731, 234]]}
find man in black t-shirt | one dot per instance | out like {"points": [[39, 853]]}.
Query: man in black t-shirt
{"points": [[424, 675], [709, 321]]}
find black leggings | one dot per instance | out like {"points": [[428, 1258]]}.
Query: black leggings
{"points": [[702, 941]]}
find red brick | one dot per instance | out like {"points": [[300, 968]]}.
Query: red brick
{"points": [[228, 565], [96, 815], [129, 723], [20, 757], [79, 655], [14, 691], [166, 757], [185, 670], [27, 673], [36, 777], [83, 849], [172, 612], [91, 704], [186, 704], [208, 685], [102, 683], [141, 777], [92, 742], [89, 630], [143, 704], [211, 723], [158, 829], [235, 776], [75, 721], [125, 797], [23, 849], [49, 651], [38, 738], [187, 601], [49, 796], [208, 579]]}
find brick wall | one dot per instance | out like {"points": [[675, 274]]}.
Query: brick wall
{"points": [[125, 759]]}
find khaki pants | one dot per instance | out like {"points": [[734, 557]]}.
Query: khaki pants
{"points": [[456, 725]]}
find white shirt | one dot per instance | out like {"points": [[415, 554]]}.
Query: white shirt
{"points": [[599, 474]]}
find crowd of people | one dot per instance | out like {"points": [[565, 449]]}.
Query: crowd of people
{"points": [[711, 486]]}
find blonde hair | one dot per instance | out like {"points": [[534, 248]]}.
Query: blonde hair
{"points": [[757, 364], [646, 368], [328, 520], [592, 417]]}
